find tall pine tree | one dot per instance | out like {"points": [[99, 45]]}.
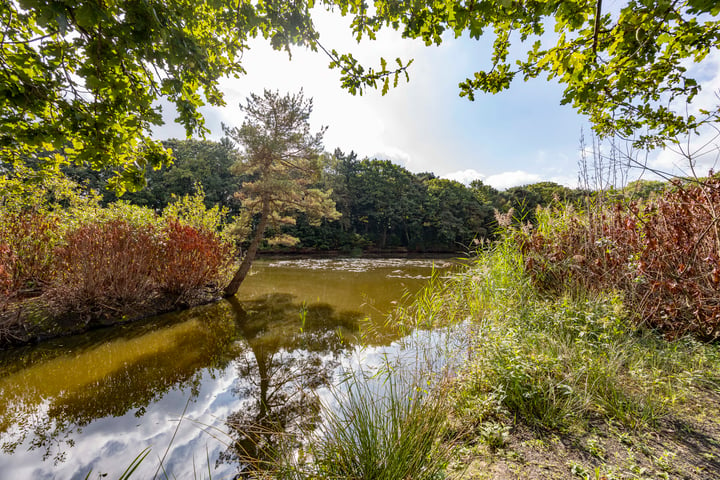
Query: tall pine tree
{"points": [[282, 158]]}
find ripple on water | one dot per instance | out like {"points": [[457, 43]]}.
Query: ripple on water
{"points": [[359, 265]]}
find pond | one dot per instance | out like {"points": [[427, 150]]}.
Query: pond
{"points": [[200, 387]]}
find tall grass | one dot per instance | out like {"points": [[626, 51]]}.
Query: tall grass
{"points": [[557, 361], [386, 434]]}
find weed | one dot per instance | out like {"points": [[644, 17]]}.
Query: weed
{"points": [[596, 448], [494, 435], [665, 461]]}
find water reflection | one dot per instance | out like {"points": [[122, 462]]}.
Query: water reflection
{"points": [[46, 404], [93, 402], [279, 380]]}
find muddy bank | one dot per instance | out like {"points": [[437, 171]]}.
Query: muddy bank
{"points": [[37, 319]]}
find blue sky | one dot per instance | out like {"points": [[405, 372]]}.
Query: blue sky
{"points": [[519, 136]]}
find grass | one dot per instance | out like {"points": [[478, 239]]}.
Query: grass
{"points": [[386, 435], [381, 427], [573, 368]]}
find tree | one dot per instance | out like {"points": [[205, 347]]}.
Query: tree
{"points": [[282, 158], [194, 162], [80, 81], [626, 68], [387, 203], [455, 216]]}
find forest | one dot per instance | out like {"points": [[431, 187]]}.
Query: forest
{"points": [[383, 206]]}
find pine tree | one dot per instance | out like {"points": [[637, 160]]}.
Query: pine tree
{"points": [[283, 159]]}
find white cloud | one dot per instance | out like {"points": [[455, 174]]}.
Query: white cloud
{"points": [[516, 178], [424, 124], [464, 176], [394, 154]]}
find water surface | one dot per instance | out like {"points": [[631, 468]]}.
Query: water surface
{"points": [[204, 384]]}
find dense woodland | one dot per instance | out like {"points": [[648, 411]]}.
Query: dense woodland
{"points": [[383, 205]]}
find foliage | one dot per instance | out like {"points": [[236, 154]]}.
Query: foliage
{"points": [[120, 211], [625, 67], [455, 215], [384, 435], [190, 210], [110, 269], [643, 189], [384, 206], [26, 190], [194, 162], [33, 216], [106, 267], [557, 362], [282, 159], [27, 241], [195, 259], [80, 81], [93, 264], [662, 254]]}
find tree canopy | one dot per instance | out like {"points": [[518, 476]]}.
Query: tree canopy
{"points": [[80, 81]]}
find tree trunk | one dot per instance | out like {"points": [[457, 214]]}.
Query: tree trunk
{"points": [[247, 260]]}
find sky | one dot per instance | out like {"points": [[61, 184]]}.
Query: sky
{"points": [[517, 137]]}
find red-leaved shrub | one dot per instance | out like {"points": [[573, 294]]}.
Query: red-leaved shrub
{"points": [[26, 263], [106, 267], [7, 266], [116, 268], [663, 255], [192, 260]]}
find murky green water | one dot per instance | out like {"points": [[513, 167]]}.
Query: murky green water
{"points": [[94, 402]]}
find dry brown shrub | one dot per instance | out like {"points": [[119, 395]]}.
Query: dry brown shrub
{"points": [[663, 255], [106, 269]]}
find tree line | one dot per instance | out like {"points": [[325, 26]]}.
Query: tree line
{"points": [[383, 205]]}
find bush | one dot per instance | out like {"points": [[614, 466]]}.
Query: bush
{"points": [[106, 267], [193, 259], [26, 259], [88, 264], [117, 268], [662, 255], [34, 210], [7, 265]]}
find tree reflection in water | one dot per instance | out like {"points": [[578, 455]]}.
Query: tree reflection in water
{"points": [[295, 349], [51, 394]]}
